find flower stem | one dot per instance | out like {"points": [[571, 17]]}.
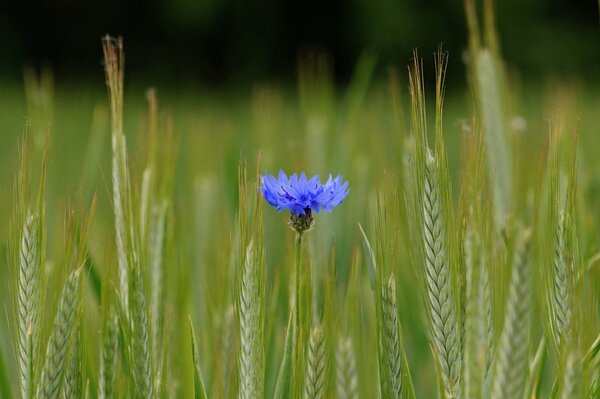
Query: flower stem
{"points": [[298, 276], [298, 315]]}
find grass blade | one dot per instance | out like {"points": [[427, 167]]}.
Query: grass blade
{"points": [[199, 391], [284, 378], [5, 390]]}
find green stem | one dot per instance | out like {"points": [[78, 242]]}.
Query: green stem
{"points": [[298, 316], [298, 275]]}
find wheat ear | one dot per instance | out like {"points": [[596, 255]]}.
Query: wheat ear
{"points": [[497, 150], [561, 298], [439, 285], [108, 356], [54, 365], [29, 298], [315, 367], [511, 367], [571, 377], [251, 363], [391, 339], [141, 347], [477, 316], [114, 66], [72, 380], [346, 380]]}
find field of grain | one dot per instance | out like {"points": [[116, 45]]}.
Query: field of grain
{"points": [[140, 258]]}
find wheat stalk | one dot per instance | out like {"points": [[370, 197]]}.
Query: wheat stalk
{"points": [[157, 238], [251, 358], [29, 298], [439, 285], [315, 368], [346, 374], [391, 339], [489, 318], [54, 365], [108, 356], [511, 367]]}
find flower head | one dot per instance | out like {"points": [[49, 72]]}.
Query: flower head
{"points": [[303, 196]]}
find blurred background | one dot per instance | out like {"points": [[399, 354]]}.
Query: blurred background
{"points": [[232, 43]]}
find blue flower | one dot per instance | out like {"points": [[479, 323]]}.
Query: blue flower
{"points": [[303, 196]]}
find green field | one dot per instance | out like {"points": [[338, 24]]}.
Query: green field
{"points": [[130, 218]]}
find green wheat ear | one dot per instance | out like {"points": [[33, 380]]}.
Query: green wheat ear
{"points": [[562, 282], [140, 344], [478, 342], [315, 365], [251, 364], [29, 297], [62, 333], [497, 150], [345, 366], [108, 355], [72, 387], [391, 339], [443, 319], [512, 353]]}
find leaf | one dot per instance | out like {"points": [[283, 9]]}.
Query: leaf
{"points": [[371, 262], [199, 391], [284, 378], [408, 392], [535, 371], [5, 391]]}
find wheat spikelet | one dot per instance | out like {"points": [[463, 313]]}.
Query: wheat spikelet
{"points": [[497, 153], [140, 345], [54, 365], [437, 273], [511, 366], [315, 367], [346, 375], [250, 359], [108, 356], [561, 298], [391, 339], [29, 297]]}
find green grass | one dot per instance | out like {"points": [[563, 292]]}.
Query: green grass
{"points": [[142, 261]]}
